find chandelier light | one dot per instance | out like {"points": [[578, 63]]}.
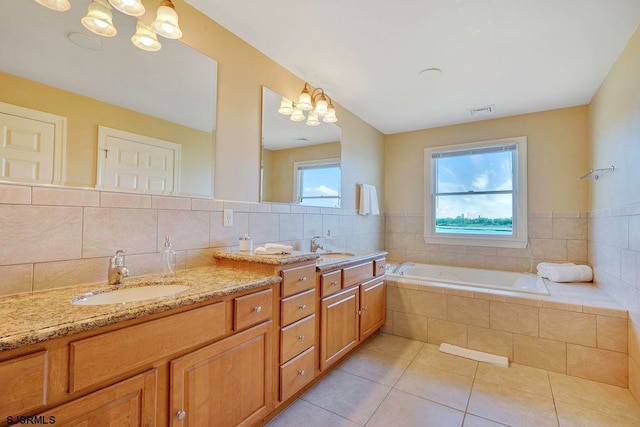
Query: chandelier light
{"points": [[166, 23], [99, 19], [316, 102], [58, 5], [145, 38], [129, 7]]}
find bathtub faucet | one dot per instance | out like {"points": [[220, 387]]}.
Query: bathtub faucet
{"points": [[398, 268]]}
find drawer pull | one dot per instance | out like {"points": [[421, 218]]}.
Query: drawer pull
{"points": [[302, 306], [302, 279], [301, 372], [381, 268], [257, 309], [181, 415], [334, 283], [301, 337]]}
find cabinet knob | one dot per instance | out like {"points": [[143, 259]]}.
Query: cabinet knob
{"points": [[334, 283], [302, 306], [302, 279], [181, 415], [365, 308], [257, 309], [301, 337], [301, 372]]}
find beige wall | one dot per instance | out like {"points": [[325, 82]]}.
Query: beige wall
{"points": [[281, 170], [84, 115], [242, 71], [614, 227], [557, 155]]}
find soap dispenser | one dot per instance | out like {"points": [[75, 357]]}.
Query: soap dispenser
{"points": [[168, 259], [328, 242]]}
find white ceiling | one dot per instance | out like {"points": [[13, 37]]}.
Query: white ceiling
{"points": [[279, 132], [521, 55], [177, 83]]}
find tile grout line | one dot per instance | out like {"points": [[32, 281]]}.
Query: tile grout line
{"points": [[553, 398]]}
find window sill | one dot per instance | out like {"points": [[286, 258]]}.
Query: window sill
{"points": [[470, 240]]}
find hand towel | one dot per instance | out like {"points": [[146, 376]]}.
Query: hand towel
{"points": [[373, 200], [261, 250], [368, 200], [572, 273], [544, 267], [278, 246]]}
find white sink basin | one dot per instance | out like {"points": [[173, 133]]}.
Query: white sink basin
{"points": [[121, 296], [331, 256]]}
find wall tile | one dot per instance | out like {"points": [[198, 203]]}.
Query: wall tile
{"points": [[410, 326], [634, 232], [16, 278], [470, 261], [124, 200], [540, 353], [634, 379], [221, 236], [280, 208], [264, 228], [64, 197], [50, 275], [164, 202], [387, 328], [237, 206], [629, 267], [187, 229], [450, 332], [312, 225], [612, 333], [471, 311], [106, 230], [291, 226], [501, 263], [514, 318], [441, 258], [577, 251], [15, 194], [330, 222], [570, 228], [561, 325], [414, 225], [206, 205], [200, 257], [482, 250], [395, 224], [540, 228], [491, 341], [143, 264], [31, 234], [551, 249], [427, 304], [604, 366]]}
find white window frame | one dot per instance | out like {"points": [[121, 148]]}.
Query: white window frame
{"points": [[519, 238], [297, 191]]}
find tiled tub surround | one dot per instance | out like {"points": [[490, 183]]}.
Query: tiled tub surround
{"points": [[614, 253], [52, 237], [554, 236], [577, 330]]}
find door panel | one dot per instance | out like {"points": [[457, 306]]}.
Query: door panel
{"points": [[339, 326]]}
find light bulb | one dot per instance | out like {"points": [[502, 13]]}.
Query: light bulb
{"points": [[145, 38], [99, 19], [57, 5], [297, 115], [129, 7], [286, 107], [166, 23], [312, 120]]}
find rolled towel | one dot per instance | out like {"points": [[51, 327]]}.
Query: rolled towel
{"points": [[544, 267], [278, 246], [261, 250], [573, 273]]}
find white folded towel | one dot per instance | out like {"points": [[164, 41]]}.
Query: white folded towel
{"points": [[278, 246], [273, 249], [368, 200], [566, 272]]}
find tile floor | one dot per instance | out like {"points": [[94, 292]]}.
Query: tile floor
{"points": [[394, 381]]}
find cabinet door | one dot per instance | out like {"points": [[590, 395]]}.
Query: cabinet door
{"points": [[227, 383], [129, 403], [339, 326], [372, 303]]}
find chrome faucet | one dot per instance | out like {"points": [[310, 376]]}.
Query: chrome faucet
{"points": [[117, 269], [315, 245]]}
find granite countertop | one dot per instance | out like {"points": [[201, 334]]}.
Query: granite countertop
{"points": [[40, 316], [284, 259]]}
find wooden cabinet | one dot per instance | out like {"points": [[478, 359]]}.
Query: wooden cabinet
{"points": [[227, 383], [129, 403], [372, 307], [338, 326], [23, 385]]}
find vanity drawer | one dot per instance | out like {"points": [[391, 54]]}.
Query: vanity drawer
{"points": [[252, 309], [100, 358], [296, 307], [296, 338], [330, 283], [23, 384], [298, 279], [379, 266], [357, 274], [296, 373]]}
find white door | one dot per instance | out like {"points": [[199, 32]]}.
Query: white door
{"points": [[27, 149], [137, 163]]}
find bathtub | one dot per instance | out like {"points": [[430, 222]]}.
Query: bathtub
{"points": [[468, 277]]}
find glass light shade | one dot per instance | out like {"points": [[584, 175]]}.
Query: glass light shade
{"points": [[312, 120], [58, 5], [304, 101], [321, 106], [99, 20], [286, 107], [330, 116], [297, 115], [145, 38], [129, 7], [166, 23]]}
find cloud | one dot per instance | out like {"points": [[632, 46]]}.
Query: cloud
{"points": [[321, 190], [480, 181], [486, 206]]}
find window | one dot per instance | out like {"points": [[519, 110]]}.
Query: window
{"points": [[476, 194], [318, 183]]}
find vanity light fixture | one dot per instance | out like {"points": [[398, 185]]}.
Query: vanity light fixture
{"points": [[316, 100], [99, 19], [145, 38], [166, 23], [129, 7], [58, 5]]}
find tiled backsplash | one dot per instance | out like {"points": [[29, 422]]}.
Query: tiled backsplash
{"points": [[614, 253], [554, 236], [51, 237]]}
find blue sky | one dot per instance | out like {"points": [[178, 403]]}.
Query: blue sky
{"points": [[478, 172], [322, 182]]}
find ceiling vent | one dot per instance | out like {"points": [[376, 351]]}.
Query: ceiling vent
{"points": [[487, 110]]}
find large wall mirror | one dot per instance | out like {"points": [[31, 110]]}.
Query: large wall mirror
{"points": [[300, 163], [111, 96]]}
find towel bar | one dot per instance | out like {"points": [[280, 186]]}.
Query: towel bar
{"points": [[595, 173]]}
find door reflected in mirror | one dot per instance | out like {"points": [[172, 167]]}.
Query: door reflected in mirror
{"points": [[149, 100], [300, 164]]}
